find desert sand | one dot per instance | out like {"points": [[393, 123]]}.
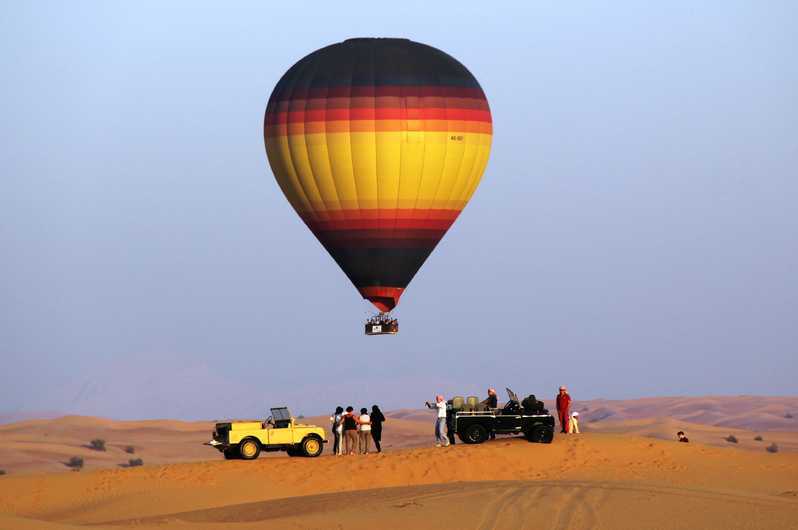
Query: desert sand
{"points": [[610, 481], [622, 473]]}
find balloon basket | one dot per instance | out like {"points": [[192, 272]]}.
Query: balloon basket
{"points": [[382, 325]]}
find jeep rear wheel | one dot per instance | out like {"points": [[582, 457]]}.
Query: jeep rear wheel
{"points": [[311, 446], [249, 449], [541, 434], [475, 434]]}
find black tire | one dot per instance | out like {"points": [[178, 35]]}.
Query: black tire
{"points": [[541, 434], [312, 446], [475, 434], [249, 449], [231, 453]]}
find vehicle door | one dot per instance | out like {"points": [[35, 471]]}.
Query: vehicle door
{"points": [[508, 419], [282, 430]]}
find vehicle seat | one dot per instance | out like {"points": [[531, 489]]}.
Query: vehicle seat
{"points": [[471, 403], [458, 402]]}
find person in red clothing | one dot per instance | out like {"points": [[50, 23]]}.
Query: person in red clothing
{"points": [[563, 408]]}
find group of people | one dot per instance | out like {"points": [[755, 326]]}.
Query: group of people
{"points": [[353, 432], [569, 421], [446, 438], [382, 319]]}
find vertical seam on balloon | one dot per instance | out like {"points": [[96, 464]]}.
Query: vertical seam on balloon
{"points": [[327, 147], [423, 154], [461, 182], [403, 109], [349, 137], [293, 197], [305, 138], [477, 175], [469, 176], [459, 164], [445, 150], [290, 98], [374, 123]]}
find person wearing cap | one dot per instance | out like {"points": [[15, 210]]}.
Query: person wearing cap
{"points": [[563, 408], [440, 420], [491, 402], [573, 425]]}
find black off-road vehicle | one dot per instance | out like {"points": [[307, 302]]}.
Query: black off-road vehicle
{"points": [[474, 423]]}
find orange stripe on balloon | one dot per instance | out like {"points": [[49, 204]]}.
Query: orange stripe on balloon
{"points": [[317, 127]]}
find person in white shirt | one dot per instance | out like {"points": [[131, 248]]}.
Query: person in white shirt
{"points": [[337, 421], [440, 420], [364, 431]]}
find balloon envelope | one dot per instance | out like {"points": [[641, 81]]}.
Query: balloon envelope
{"points": [[378, 144]]}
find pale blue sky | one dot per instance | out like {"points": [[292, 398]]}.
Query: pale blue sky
{"points": [[635, 233]]}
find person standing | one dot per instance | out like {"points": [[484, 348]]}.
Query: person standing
{"points": [[350, 431], [563, 408], [490, 403], [440, 420], [377, 419], [364, 430], [450, 430], [337, 421]]}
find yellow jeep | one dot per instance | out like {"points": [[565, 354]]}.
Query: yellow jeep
{"points": [[246, 439]]}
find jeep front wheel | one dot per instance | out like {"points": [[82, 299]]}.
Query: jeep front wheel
{"points": [[311, 446], [249, 449], [475, 434]]}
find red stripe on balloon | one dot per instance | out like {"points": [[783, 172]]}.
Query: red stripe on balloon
{"points": [[354, 114]]}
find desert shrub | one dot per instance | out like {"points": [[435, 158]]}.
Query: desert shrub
{"points": [[133, 462], [130, 449], [731, 439], [788, 416], [2, 471], [301, 417], [757, 438], [75, 463], [98, 444], [772, 448]]}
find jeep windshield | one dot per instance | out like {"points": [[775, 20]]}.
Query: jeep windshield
{"points": [[281, 413], [512, 395]]}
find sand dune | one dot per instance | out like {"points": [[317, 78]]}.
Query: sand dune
{"points": [[610, 481], [34, 446], [46, 445], [753, 413]]}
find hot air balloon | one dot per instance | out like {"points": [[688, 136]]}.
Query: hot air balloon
{"points": [[378, 144]]}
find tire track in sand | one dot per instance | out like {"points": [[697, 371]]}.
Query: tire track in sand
{"points": [[509, 509]]}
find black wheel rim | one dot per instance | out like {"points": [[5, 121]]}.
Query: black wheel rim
{"points": [[474, 435]]}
